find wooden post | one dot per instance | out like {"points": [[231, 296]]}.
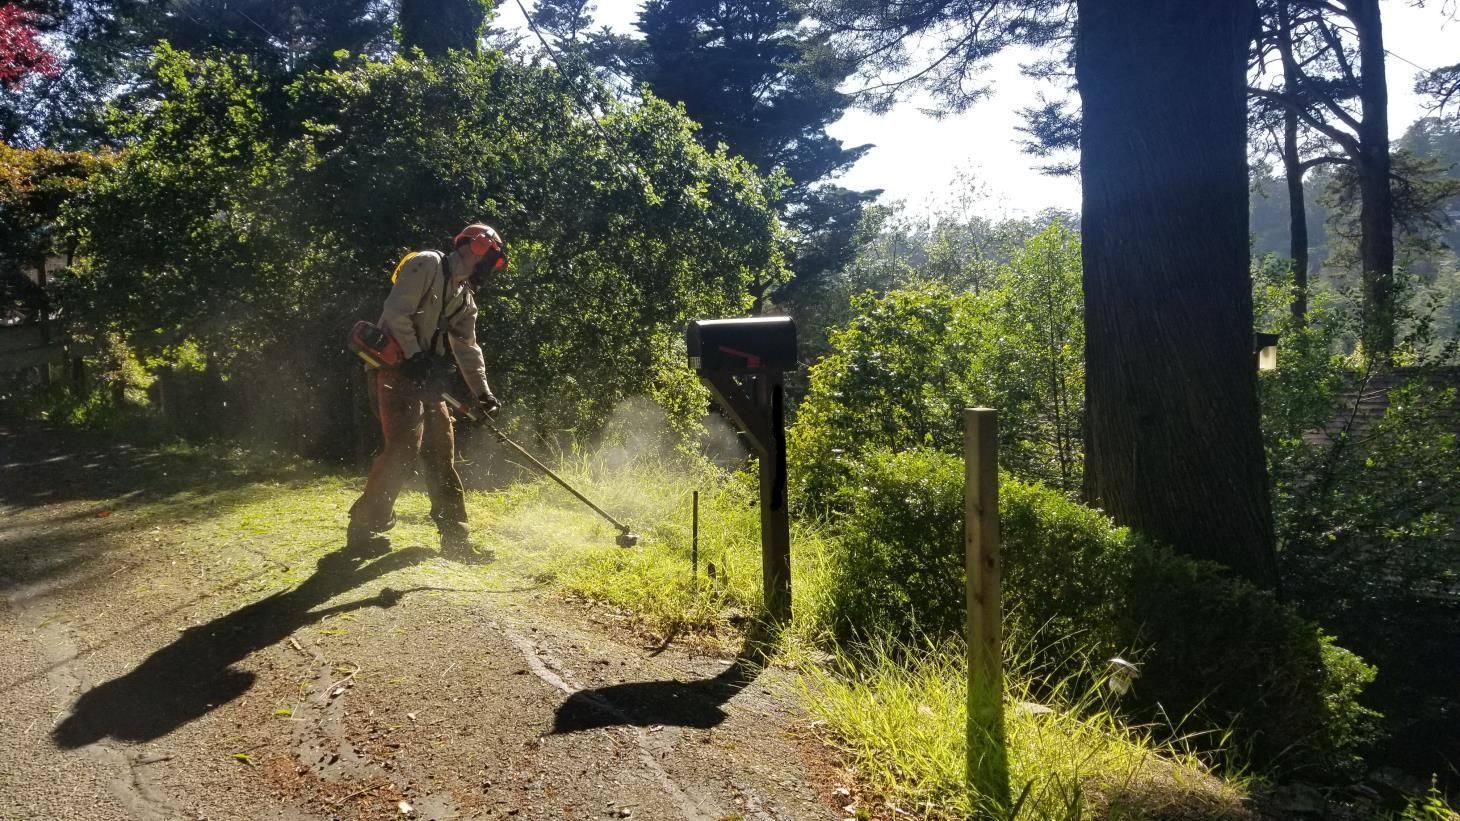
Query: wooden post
{"points": [[694, 545], [988, 766]]}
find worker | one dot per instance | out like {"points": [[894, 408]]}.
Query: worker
{"points": [[432, 314]]}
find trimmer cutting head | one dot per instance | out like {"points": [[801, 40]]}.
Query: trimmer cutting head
{"points": [[627, 539]]}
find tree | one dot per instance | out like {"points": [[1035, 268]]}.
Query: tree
{"points": [[906, 360], [756, 78], [226, 216], [568, 21], [21, 54], [108, 44], [437, 26], [941, 46], [1173, 447], [35, 185], [1435, 143], [900, 371], [1332, 56], [1039, 359], [1294, 143], [1172, 441], [1441, 85], [578, 48], [281, 37]]}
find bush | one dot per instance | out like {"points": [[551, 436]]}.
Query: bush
{"points": [[1223, 652], [108, 391], [1365, 492], [1215, 651], [902, 369], [900, 567]]}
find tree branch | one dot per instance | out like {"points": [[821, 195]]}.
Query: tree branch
{"points": [[963, 41], [1348, 141], [1327, 159], [1322, 5], [1338, 54]]}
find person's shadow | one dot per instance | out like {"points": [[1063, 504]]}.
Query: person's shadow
{"points": [[697, 704], [195, 674]]}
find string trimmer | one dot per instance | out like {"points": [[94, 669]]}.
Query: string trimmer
{"points": [[625, 538]]}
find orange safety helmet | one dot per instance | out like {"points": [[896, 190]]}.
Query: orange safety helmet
{"points": [[485, 243]]}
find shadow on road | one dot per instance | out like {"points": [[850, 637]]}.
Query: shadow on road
{"points": [[195, 674], [697, 704], [44, 465]]}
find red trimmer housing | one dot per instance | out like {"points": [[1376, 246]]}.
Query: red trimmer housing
{"points": [[373, 345]]}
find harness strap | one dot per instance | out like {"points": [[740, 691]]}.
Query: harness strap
{"points": [[443, 319]]}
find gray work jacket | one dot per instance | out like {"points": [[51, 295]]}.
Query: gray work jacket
{"points": [[422, 301]]}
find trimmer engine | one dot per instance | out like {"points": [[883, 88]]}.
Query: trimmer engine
{"points": [[373, 345]]}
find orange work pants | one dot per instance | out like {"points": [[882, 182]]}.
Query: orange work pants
{"points": [[418, 432]]}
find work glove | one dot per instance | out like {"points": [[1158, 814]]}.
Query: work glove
{"points": [[488, 403], [417, 368]]}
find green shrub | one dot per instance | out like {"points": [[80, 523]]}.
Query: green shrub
{"points": [[900, 566], [1221, 651], [1365, 489], [1215, 651], [902, 369]]}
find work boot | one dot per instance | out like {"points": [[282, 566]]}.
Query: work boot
{"points": [[362, 543], [456, 546]]}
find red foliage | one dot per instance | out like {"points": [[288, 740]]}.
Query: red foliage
{"points": [[21, 54]]}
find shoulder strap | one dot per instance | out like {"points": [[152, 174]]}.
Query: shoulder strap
{"points": [[443, 318]]}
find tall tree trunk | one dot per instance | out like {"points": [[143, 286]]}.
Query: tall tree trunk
{"points": [[1297, 217], [1293, 171], [1174, 449], [1376, 205]]}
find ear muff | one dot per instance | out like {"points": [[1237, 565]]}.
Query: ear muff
{"points": [[493, 258]]}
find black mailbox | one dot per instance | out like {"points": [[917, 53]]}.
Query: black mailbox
{"points": [[754, 345], [743, 363]]}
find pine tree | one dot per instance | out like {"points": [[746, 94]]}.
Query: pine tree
{"points": [[438, 26], [1173, 447], [758, 82]]}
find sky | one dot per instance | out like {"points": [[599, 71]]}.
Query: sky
{"points": [[919, 159]]}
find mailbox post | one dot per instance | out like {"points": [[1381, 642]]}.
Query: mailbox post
{"points": [[743, 363]]}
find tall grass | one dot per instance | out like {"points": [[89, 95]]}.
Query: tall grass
{"points": [[898, 714], [723, 588], [550, 535]]}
